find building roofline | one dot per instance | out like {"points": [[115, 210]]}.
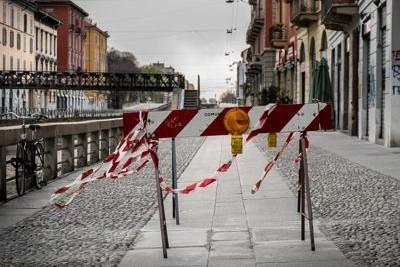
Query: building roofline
{"points": [[64, 2], [28, 4], [90, 25], [46, 16]]}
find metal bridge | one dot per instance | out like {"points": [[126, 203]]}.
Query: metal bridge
{"points": [[91, 81]]}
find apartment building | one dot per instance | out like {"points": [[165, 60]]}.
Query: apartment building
{"points": [[16, 48], [260, 56], [95, 61], [364, 49], [283, 39], [70, 46], [46, 38]]}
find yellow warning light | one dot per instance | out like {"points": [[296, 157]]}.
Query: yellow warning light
{"points": [[237, 144], [236, 121], [272, 140]]}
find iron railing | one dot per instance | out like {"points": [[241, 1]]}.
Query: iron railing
{"points": [[91, 81], [53, 114]]}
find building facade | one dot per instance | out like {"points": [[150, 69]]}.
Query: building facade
{"points": [[95, 48], [95, 61], [364, 64], [70, 46], [260, 56], [312, 43], [46, 38], [241, 82], [284, 41], [17, 48]]}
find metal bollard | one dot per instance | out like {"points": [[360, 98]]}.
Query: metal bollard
{"points": [[175, 203]]}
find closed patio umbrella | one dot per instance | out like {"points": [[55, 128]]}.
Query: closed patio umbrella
{"points": [[321, 87]]}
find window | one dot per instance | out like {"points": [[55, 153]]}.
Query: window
{"points": [[11, 39], [18, 41], [4, 62], [46, 43], [302, 53], [31, 26], [18, 19], [51, 45], [55, 45], [31, 46], [12, 15], [24, 43], [324, 46], [37, 39], [312, 50], [4, 12], [25, 23], [11, 63], [4, 37]]}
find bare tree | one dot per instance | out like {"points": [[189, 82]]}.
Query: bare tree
{"points": [[122, 62]]}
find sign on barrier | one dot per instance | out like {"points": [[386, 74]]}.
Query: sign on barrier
{"points": [[144, 129]]}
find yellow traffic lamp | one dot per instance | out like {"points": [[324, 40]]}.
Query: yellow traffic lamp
{"points": [[237, 122]]}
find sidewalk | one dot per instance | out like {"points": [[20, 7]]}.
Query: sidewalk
{"points": [[372, 156], [225, 225], [23, 207]]}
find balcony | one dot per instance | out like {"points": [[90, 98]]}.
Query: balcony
{"points": [[254, 66], [337, 14], [303, 12], [278, 36], [254, 29]]}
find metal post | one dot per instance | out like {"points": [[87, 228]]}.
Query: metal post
{"points": [[175, 203], [302, 193], [3, 174], [306, 183], [299, 187], [198, 92], [163, 225]]}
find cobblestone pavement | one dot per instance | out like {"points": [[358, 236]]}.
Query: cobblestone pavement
{"points": [[100, 224], [359, 209]]}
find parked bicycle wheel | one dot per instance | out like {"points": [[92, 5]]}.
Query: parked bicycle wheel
{"points": [[20, 169], [38, 179]]}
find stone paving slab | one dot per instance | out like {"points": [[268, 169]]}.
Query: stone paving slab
{"points": [[188, 256], [225, 225]]}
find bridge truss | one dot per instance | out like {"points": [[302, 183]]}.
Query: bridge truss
{"points": [[91, 81]]}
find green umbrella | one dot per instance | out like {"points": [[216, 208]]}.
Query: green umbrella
{"points": [[321, 86], [315, 78]]}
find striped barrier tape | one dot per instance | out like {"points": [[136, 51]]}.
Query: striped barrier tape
{"points": [[143, 130]]}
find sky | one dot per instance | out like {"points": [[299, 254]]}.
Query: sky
{"points": [[189, 35]]}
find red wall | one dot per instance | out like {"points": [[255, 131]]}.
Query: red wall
{"points": [[65, 12]]}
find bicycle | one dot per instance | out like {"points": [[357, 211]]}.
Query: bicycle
{"points": [[29, 160]]}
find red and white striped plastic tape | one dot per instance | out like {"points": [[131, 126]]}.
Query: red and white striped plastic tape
{"points": [[143, 129], [210, 122]]}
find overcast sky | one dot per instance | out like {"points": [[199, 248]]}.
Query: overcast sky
{"points": [[189, 35]]}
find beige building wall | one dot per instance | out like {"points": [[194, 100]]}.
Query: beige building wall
{"points": [[305, 36], [45, 59], [17, 37], [16, 49]]}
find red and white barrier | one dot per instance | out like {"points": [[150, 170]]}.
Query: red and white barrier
{"points": [[210, 122], [143, 129]]}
